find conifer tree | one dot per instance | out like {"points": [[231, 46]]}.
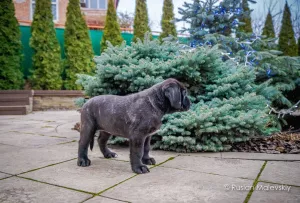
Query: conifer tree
{"points": [[78, 46], [141, 20], [269, 27], [11, 76], [112, 32], [47, 57], [212, 16], [245, 18], [299, 46], [168, 27], [287, 42]]}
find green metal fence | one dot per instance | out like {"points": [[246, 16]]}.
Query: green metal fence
{"points": [[95, 36]]}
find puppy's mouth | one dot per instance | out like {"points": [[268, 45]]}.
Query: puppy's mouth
{"points": [[185, 104]]}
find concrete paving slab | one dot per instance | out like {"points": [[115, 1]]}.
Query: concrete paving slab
{"points": [[228, 167], [20, 190], [123, 153], [275, 193], [4, 175], [53, 116], [6, 148], [102, 200], [101, 174], [20, 125], [173, 185], [30, 128], [246, 156], [15, 160], [282, 173], [65, 130], [29, 140]]}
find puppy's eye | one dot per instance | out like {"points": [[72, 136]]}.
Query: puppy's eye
{"points": [[184, 92]]}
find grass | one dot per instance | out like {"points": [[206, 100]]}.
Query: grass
{"points": [[255, 183]]}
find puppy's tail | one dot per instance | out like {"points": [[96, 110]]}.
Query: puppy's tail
{"points": [[92, 143]]}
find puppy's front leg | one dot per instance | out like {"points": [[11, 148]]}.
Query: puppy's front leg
{"points": [[136, 154], [146, 158]]}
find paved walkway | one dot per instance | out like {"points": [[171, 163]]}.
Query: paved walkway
{"points": [[38, 164]]}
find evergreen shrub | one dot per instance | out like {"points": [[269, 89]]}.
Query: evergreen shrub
{"points": [[227, 104]]}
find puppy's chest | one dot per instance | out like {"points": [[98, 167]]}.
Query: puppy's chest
{"points": [[154, 128]]}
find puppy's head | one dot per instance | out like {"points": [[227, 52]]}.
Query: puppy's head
{"points": [[176, 93]]}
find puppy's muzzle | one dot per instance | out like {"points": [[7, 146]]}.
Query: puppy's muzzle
{"points": [[185, 104]]}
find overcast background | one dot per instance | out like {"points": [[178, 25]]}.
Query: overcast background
{"points": [[258, 15]]}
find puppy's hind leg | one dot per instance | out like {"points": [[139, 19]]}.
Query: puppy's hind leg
{"points": [[146, 157], [102, 141], [87, 132]]}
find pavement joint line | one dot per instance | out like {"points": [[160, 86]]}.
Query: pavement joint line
{"points": [[61, 125], [28, 133], [69, 188], [102, 191], [12, 145], [205, 172], [7, 173], [57, 136], [292, 160], [67, 142], [262, 181], [88, 199], [45, 166], [255, 182], [161, 163], [57, 127], [7, 177]]}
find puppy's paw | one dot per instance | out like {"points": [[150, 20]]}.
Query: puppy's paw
{"points": [[83, 162], [149, 161], [140, 169], [110, 154]]}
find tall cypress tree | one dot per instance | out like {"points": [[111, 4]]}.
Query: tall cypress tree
{"points": [[269, 27], [287, 42], [141, 20], [11, 76], [245, 18], [112, 32], [78, 46], [168, 27], [46, 58]]}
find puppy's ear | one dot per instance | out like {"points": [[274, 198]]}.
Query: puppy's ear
{"points": [[172, 92]]}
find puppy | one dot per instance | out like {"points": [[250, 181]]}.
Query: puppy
{"points": [[135, 116]]}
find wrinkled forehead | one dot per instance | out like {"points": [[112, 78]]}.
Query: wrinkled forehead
{"points": [[173, 81]]}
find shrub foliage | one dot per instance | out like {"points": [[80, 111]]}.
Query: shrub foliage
{"points": [[78, 46], [227, 104], [167, 22], [141, 20], [47, 65], [11, 76], [112, 32]]}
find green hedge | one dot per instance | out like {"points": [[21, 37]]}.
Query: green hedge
{"points": [[96, 36]]}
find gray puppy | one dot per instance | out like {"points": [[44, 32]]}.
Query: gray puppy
{"points": [[135, 116]]}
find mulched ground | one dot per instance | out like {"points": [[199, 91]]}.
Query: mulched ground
{"points": [[284, 142]]}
